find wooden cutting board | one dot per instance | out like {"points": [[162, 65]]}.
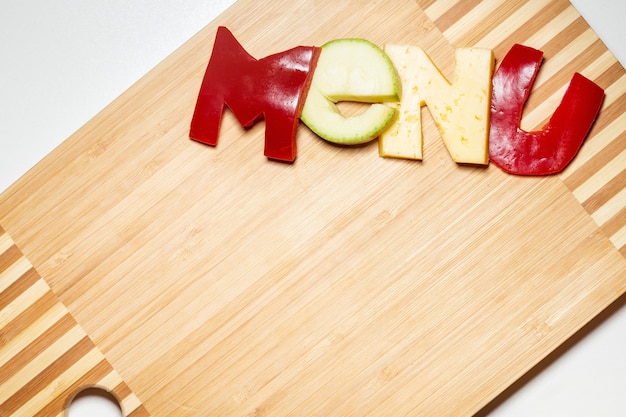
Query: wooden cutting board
{"points": [[200, 281]]}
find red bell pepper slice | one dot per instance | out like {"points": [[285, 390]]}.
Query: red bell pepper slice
{"points": [[551, 149], [274, 87]]}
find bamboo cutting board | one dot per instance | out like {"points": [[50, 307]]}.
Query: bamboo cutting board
{"points": [[203, 281]]}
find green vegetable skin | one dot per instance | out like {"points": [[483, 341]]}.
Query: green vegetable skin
{"points": [[351, 69], [551, 149], [274, 87]]}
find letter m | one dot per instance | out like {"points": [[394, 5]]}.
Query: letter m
{"points": [[273, 88]]}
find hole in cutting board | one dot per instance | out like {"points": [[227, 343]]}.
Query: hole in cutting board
{"points": [[94, 402]]}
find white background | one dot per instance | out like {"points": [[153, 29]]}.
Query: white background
{"points": [[64, 60]]}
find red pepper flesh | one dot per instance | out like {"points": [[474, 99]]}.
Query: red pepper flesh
{"points": [[551, 149], [273, 87]]}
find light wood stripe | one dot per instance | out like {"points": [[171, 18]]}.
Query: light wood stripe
{"points": [[619, 238], [456, 11], [28, 316], [139, 412], [540, 113], [5, 241], [18, 354], [153, 332], [32, 333], [615, 223], [594, 176], [470, 21], [612, 169], [612, 75], [615, 92], [28, 279], [39, 382], [511, 24], [547, 95], [552, 29], [112, 379], [130, 404], [611, 209], [561, 64], [45, 356], [8, 257], [84, 363], [613, 133], [602, 197], [438, 8], [94, 372], [13, 272], [553, 46], [599, 66], [38, 364], [21, 304]]}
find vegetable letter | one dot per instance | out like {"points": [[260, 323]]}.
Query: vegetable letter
{"points": [[551, 149], [274, 87]]}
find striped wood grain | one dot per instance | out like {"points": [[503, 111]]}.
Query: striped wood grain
{"points": [[45, 356], [597, 177], [220, 284]]}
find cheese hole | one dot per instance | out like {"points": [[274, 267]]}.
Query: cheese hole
{"points": [[94, 402]]}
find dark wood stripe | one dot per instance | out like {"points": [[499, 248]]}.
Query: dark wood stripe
{"points": [[608, 114], [565, 37], [9, 257], [425, 4], [121, 391], [596, 162], [604, 194], [28, 316], [35, 347], [455, 13], [584, 58], [542, 18], [487, 24], [561, 78], [610, 76], [18, 287], [45, 377], [139, 412], [60, 402], [615, 223]]}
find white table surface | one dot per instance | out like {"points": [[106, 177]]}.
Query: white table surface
{"points": [[65, 60]]}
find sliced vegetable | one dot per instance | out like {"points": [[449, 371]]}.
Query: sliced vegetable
{"points": [[551, 149], [357, 70], [273, 87]]}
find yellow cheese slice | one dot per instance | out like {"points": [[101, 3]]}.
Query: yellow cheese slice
{"points": [[460, 109]]}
